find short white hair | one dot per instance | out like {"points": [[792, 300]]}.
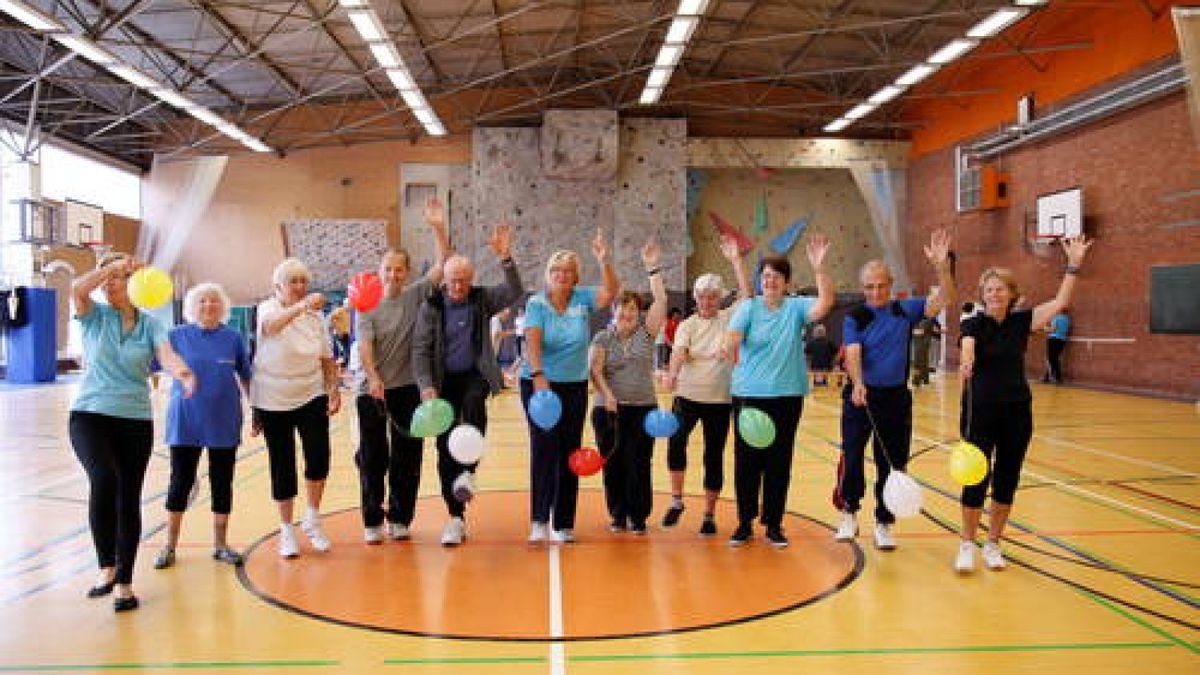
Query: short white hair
{"points": [[706, 283], [291, 267], [191, 301]]}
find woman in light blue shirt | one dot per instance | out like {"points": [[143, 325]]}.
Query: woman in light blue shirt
{"points": [[110, 424], [765, 342]]}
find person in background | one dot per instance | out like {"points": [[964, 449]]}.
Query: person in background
{"points": [[1056, 344], [997, 411], [111, 426], [666, 339], [339, 330], [699, 376], [500, 333], [764, 341], [387, 390], [211, 419], [557, 338], [453, 357], [821, 352], [923, 335]]}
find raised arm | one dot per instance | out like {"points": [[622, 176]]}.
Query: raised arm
{"points": [[1076, 249], [817, 248], [657, 313], [81, 290], [506, 293], [938, 254], [273, 324], [729, 249], [612, 285], [435, 216]]}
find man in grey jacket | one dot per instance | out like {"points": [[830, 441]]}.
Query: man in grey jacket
{"points": [[453, 358]]}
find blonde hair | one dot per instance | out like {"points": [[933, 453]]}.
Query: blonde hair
{"points": [[191, 301], [291, 267], [1005, 276], [562, 257]]}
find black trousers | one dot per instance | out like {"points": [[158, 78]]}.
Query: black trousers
{"points": [[386, 451], [714, 418], [553, 488], [891, 408], [627, 485], [184, 461], [1054, 352], [114, 452], [766, 472], [604, 428], [467, 393], [279, 428], [1003, 431]]}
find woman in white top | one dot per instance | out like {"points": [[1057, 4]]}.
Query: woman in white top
{"points": [[295, 389]]}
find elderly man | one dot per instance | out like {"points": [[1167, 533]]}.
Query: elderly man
{"points": [[453, 357], [876, 336], [388, 395]]}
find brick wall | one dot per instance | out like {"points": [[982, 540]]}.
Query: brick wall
{"points": [[1140, 172]]}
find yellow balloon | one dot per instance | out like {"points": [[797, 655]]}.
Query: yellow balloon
{"points": [[968, 465], [150, 287]]}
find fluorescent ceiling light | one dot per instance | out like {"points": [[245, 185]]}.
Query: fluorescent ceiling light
{"points": [[413, 98], [860, 110], [837, 125], [952, 51], [658, 78], [207, 116], [424, 115], [85, 48], [385, 54], [998, 21], [886, 94], [367, 24], [435, 128], [29, 16], [1031, 3], [134, 76], [681, 29], [650, 95], [172, 97], [354, 3], [255, 144], [401, 78], [668, 56], [229, 129], [692, 7], [915, 75]]}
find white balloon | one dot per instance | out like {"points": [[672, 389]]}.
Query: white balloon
{"points": [[902, 495], [466, 444]]}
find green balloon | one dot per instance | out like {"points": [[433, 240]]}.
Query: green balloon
{"points": [[431, 418], [755, 427]]}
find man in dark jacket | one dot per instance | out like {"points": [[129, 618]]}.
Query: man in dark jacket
{"points": [[453, 358]]}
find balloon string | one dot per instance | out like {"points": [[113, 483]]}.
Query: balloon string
{"points": [[875, 433], [382, 409], [970, 408]]}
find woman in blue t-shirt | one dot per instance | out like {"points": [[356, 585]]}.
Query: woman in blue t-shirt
{"points": [[211, 419], [997, 410], [766, 344], [110, 425], [557, 333]]}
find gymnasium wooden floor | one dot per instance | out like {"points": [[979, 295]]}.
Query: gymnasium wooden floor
{"points": [[1104, 550]]}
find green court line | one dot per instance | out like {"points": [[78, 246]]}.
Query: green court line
{"points": [[868, 652], [481, 660], [177, 665], [1190, 646]]}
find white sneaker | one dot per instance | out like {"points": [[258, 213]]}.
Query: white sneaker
{"points": [[847, 529], [884, 539], [288, 547], [993, 557], [454, 533], [373, 535], [316, 536], [538, 532], [566, 536], [397, 531], [964, 562]]}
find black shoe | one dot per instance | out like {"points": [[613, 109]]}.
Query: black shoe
{"points": [[617, 525], [709, 527], [125, 604], [101, 590], [639, 529], [227, 555], [741, 535], [671, 519], [776, 536], [164, 559]]}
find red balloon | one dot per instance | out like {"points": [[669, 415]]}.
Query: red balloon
{"points": [[585, 462], [365, 291]]}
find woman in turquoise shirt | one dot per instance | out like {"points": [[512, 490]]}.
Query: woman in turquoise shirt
{"points": [[771, 375], [110, 424]]}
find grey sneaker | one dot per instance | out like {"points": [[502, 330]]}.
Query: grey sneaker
{"points": [[164, 559], [227, 555], [454, 533]]}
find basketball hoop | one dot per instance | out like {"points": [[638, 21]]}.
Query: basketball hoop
{"points": [[1043, 247]]}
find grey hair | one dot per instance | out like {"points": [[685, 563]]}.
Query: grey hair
{"points": [[291, 267], [708, 282], [191, 301]]}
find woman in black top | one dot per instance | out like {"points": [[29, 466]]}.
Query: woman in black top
{"points": [[996, 413]]}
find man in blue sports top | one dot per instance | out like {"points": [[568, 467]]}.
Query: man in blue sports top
{"points": [[1060, 327], [876, 336]]}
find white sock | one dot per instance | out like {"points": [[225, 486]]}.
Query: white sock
{"points": [[285, 528], [311, 515]]}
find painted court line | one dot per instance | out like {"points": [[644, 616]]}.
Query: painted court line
{"points": [[1113, 455], [558, 651]]}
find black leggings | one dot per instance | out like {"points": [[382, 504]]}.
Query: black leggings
{"points": [[184, 461], [388, 458], [279, 427], [627, 482], [766, 472], [553, 487], [714, 418], [114, 452], [1003, 430], [467, 393]]}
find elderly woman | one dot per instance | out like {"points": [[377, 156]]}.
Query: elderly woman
{"points": [[557, 335], [110, 426], [699, 376], [997, 411], [295, 390], [211, 419], [771, 375], [622, 366]]}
